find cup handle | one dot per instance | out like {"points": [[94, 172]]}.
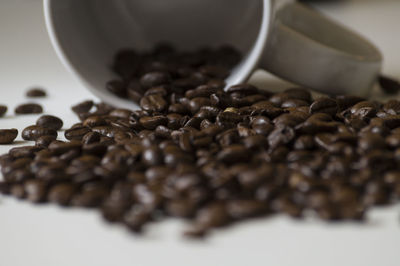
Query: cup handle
{"points": [[311, 50]]}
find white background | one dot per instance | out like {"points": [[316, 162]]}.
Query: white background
{"points": [[47, 235]]}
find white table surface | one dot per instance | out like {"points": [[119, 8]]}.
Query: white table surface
{"points": [[48, 236]]}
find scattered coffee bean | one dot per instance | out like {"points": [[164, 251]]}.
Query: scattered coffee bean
{"points": [[3, 110], [29, 108], [34, 132], [210, 155], [324, 105], [7, 136], [83, 107], [49, 121], [36, 92]]}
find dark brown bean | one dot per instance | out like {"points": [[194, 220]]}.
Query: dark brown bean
{"points": [[76, 133], [36, 92], [153, 103], [324, 105], [61, 194], [3, 110], [152, 122], [49, 121], [29, 108], [35, 132], [35, 190], [44, 141], [7, 136], [83, 107], [154, 79]]}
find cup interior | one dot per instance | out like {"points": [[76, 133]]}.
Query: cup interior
{"points": [[86, 34]]}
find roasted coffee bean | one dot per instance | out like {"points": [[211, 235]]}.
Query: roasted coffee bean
{"points": [[213, 215], [44, 141], [392, 107], [154, 79], [196, 103], [136, 217], [24, 151], [255, 142], [35, 132], [29, 108], [76, 133], [94, 121], [153, 103], [3, 110], [91, 137], [49, 121], [233, 153], [388, 85], [245, 89], [90, 198], [83, 107], [363, 105], [346, 101], [36, 92], [35, 190], [152, 122], [282, 135], [267, 108], [7, 136], [294, 103], [61, 194], [324, 105]]}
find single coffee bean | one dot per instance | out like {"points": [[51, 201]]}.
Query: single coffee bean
{"points": [[152, 122], [35, 190], [44, 141], [36, 92], [154, 79], [83, 107], [392, 107], [49, 121], [245, 89], [91, 137], [153, 103], [61, 194], [233, 153], [76, 133], [29, 108], [34, 132], [324, 105], [7, 136], [136, 217], [3, 110]]}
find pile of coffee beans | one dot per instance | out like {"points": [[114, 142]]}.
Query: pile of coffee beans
{"points": [[210, 155]]}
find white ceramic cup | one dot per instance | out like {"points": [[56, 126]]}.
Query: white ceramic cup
{"points": [[282, 36]]}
